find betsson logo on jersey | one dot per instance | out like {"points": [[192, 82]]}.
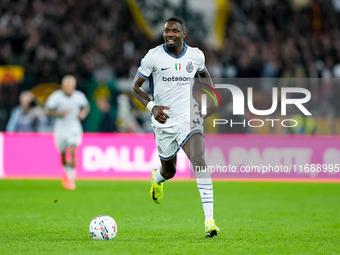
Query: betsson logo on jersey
{"points": [[173, 78]]}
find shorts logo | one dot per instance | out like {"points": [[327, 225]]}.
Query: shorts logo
{"points": [[190, 67], [178, 66]]}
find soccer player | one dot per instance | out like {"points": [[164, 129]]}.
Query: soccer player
{"points": [[170, 69], [69, 106]]}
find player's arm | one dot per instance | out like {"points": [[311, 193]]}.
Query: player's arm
{"points": [[51, 104], [143, 97], [54, 113], [83, 112], [205, 77]]}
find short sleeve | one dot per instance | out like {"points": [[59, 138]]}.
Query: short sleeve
{"points": [[146, 66], [83, 100], [201, 66], [51, 102]]}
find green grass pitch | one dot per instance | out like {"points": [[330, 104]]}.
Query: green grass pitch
{"points": [[40, 217]]}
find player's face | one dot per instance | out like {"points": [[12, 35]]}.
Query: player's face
{"points": [[69, 85], [173, 34]]}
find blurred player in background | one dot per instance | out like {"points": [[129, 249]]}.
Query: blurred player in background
{"points": [[28, 116], [70, 106], [171, 68]]}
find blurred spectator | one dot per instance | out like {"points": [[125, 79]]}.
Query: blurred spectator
{"points": [[52, 38], [126, 121], [107, 123], [98, 40], [264, 38], [303, 125], [28, 116]]}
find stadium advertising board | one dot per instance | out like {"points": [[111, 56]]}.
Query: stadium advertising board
{"points": [[132, 156]]}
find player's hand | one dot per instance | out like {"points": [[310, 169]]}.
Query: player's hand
{"points": [[62, 114], [159, 114], [210, 110], [82, 115]]}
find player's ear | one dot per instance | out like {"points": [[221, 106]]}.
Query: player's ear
{"points": [[184, 33]]}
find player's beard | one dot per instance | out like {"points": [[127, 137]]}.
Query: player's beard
{"points": [[174, 46]]}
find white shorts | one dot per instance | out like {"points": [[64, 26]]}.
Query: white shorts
{"points": [[170, 139], [65, 140]]}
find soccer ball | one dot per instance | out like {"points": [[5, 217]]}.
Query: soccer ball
{"points": [[103, 227]]}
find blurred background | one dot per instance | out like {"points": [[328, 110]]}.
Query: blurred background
{"points": [[101, 42]]}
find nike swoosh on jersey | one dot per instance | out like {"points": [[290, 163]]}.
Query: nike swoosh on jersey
{"points": [[163, 69]]}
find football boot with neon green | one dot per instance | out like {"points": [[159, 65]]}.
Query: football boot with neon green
{"points": [[156, 191], [211, 229]]}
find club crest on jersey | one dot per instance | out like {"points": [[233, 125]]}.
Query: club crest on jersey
{"points": [[190, 67], [178, 66]]}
